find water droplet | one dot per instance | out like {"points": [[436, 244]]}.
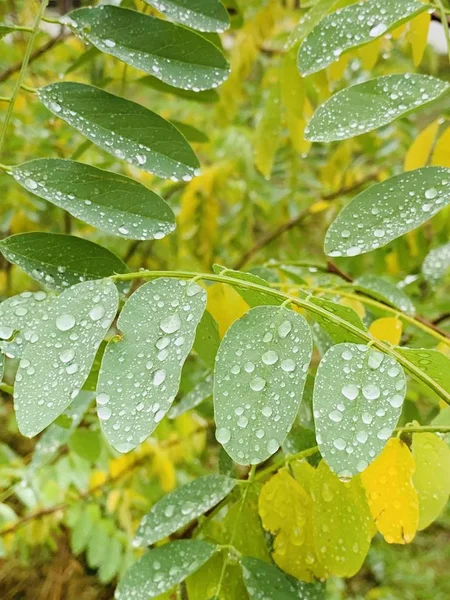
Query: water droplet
{"points": [[284, 329], [159, 377], [350, 391], [223, 435], [257, 383], [270, 357], [65, 322], [67, 355], [171, 324], [371, 391], [97, 313]]}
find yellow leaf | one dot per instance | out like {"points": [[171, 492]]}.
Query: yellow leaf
{"points": [[225, 305], [432, 476], [418, 36], [392, 263], [398, 31], [113, 501], [441, 154], [392, 498], [286, 510], [319, 206], [387, 329], [419, 151], [342, 523], [336, 70], [96, 479], [355, 305], [304, 473], [163, 468], [369, 53]]}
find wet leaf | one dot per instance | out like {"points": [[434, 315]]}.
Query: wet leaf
{"points": [[140, 374], [386, 292], [177, 509], [431, 477], [201, 392], [207, 96], [252, 297], [351, 27], [112, 202], [204, 15], [432, 362], [225, 305], [260, 373], [343, 528], [418, 36], [59, 261], [207, 339], [55, 365], [125, 129], [358, 397], [388, 210], [391, 495], [309, 20], [336, 332], [369, 105], [161, 568], [436, 264]]}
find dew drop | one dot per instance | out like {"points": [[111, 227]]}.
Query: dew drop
{"points": [[65, 322]]}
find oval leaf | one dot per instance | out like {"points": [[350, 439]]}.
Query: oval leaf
{"points": [[386, 292], [177, 509], [432, 362], [59, 261], [140, 374], [332, 328], [436, 263], [124, 129], [54, 366], [161, 568], [266, 582], [358, 396], [260, 373], [388, 210], [112, 202], [174, 54], [351, 27], [367, 106], [203, 15]]}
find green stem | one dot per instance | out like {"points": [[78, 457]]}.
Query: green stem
{"points": [[4, 387], [444, 22], [22, 72], [5, 99], [304, 303], [284, 460], [423, 429], [28, 88], [5, 168], [21, 28]]}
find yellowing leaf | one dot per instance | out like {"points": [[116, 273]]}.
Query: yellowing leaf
{"points": [[336, 70], [441, 154], [319, 206], [96, 479], [342, 523], [387, 329], [392, 263], [391, 495], [304, 473], [419, 151], [356, 305], [398, 31], [369, 53], [432, 476], [225, 305], [286, 510], [418, 36]]}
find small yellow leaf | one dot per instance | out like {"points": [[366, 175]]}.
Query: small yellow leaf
{"points": [[432, 476], [419, 151], [96, 479], [355, 305], [387, 329], [343, 526], [392, 264], [418, 36], [441, 154], [286, 510], [225, 305], [319, 206], [391, 494]]}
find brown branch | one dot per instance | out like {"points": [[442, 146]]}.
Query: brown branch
{"points": [[62, 35], [288, 225], [441, 318]]}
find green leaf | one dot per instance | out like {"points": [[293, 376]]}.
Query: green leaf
{"points": [[358, 397], [177, 509], [386, 292], [98, 545], [307, 23], [260, 373], [161, 568], [351, 27], [367, 106], [436, 263], [196, 396], [252, 297], [432, 362], [192, 134], [86, 443], [174, 54], [267, 582], [207, 339], [111, 566], [112, 202], [124, 129], [336, 332], [54, 367], [204, 15], [5, 29], [388, 210], [59, 261], [207, 96], [140, 374]]}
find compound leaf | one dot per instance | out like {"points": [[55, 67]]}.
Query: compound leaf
{"points": [[203, 15]]}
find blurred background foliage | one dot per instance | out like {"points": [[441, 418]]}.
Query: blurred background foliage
{"points": [[69, 505]]}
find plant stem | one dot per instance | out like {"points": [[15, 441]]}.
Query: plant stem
{"points": [[302, 303], [444, 22], [4, 387], [5, 167], [5, 99], [22, 72], [423, 429]]}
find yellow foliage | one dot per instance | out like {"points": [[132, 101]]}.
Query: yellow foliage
{"points": [[441, 153], [304, 473], [286, 510], [369, 53], [225, 305], [336, 70], [391, 494], [392, 264], [418, 36], [96, 479], [432, 476], [387, 329], [355, 305], [292, 88], [419, 151], [319, 206], [112, 501], [163, 468]]}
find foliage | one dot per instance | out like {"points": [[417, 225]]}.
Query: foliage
{"points": [[324, 375]]}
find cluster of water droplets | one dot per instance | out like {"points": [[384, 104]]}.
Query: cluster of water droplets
{"points": [[367, 106], [436, 263], [350, 27], [57, 361], [259, 377], [140, 374], [211, 16], [358, 396], [386, 291], [123, 128], [388, 210], [111, 202]]}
